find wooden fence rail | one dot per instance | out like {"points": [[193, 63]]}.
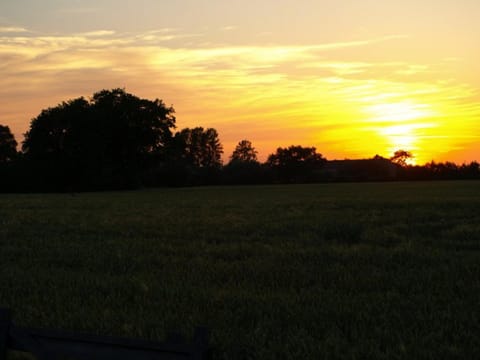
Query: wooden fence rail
{"points": [[56, 345]]}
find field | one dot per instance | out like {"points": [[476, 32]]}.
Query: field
{"points": [[328, 271]]}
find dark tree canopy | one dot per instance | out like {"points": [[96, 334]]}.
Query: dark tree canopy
{"points": [[58, 130], [198, 147], [193, 158], [136, 125], [295, 155], [244, 152], [103, 142], [296, 163], [8, 145]]}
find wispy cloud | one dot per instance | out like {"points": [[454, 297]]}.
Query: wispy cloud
{"points": [[77, 10], [229, 28], [12, 29], [357, 43], [96, 33]]}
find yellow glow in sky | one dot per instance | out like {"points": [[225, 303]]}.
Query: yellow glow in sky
{"points": [[402, 124], [398, 112]]}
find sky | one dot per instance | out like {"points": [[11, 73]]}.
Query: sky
{"points": [[352, 78]]}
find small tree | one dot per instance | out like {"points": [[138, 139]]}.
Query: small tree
{"points": [[244, 152], [8, 145], [243, 167], [401, 157]]}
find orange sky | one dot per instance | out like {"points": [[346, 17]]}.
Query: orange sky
{"points": [[353, 79]]}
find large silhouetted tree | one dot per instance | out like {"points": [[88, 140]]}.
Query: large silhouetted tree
{"points": [[107, 141], [296, 163], [8, 145], [136, 130]]}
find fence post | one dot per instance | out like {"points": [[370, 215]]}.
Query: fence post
{"points": [[5, 318], [200, 339], [51, 344]]}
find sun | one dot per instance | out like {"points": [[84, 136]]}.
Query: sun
{"points": [[401, 124]]}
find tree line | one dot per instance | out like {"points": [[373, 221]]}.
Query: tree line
{"points": [[116, 140]]}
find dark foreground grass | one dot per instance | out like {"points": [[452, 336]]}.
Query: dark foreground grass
{"points": [[336, 271]]}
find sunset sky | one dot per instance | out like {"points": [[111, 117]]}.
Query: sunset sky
{"points": [[352, 78]]}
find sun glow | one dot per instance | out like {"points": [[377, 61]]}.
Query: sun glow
{"points": [[400, 111], [402, 124]]}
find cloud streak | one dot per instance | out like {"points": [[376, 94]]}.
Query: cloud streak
{"points": [[12, 29]]}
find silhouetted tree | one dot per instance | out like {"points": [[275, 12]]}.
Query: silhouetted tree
{"points": [[135, 131], [198, 147], [244, 152], [8, 145], [9, 157], [401, 157], [443, 171], [56, 130], [194, 157], [296, 163], [109, 141], [470, 171], [243, 167]]}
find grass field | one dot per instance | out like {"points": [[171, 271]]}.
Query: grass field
{"points": [[329, 271]]}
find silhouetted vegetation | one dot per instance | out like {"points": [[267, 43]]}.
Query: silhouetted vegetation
{"points": [[8, 159], [8, 145], [107, 142], [441, 171], [296, 164], [244, 152], [376, 169], [194, 158], [243, 167], [401, 157], [116, 140]]}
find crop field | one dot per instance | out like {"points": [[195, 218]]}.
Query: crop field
{"points": [[327, 271]]}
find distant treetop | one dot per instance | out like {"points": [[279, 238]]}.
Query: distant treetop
{"points": [[8, 145], [244, 152]]}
